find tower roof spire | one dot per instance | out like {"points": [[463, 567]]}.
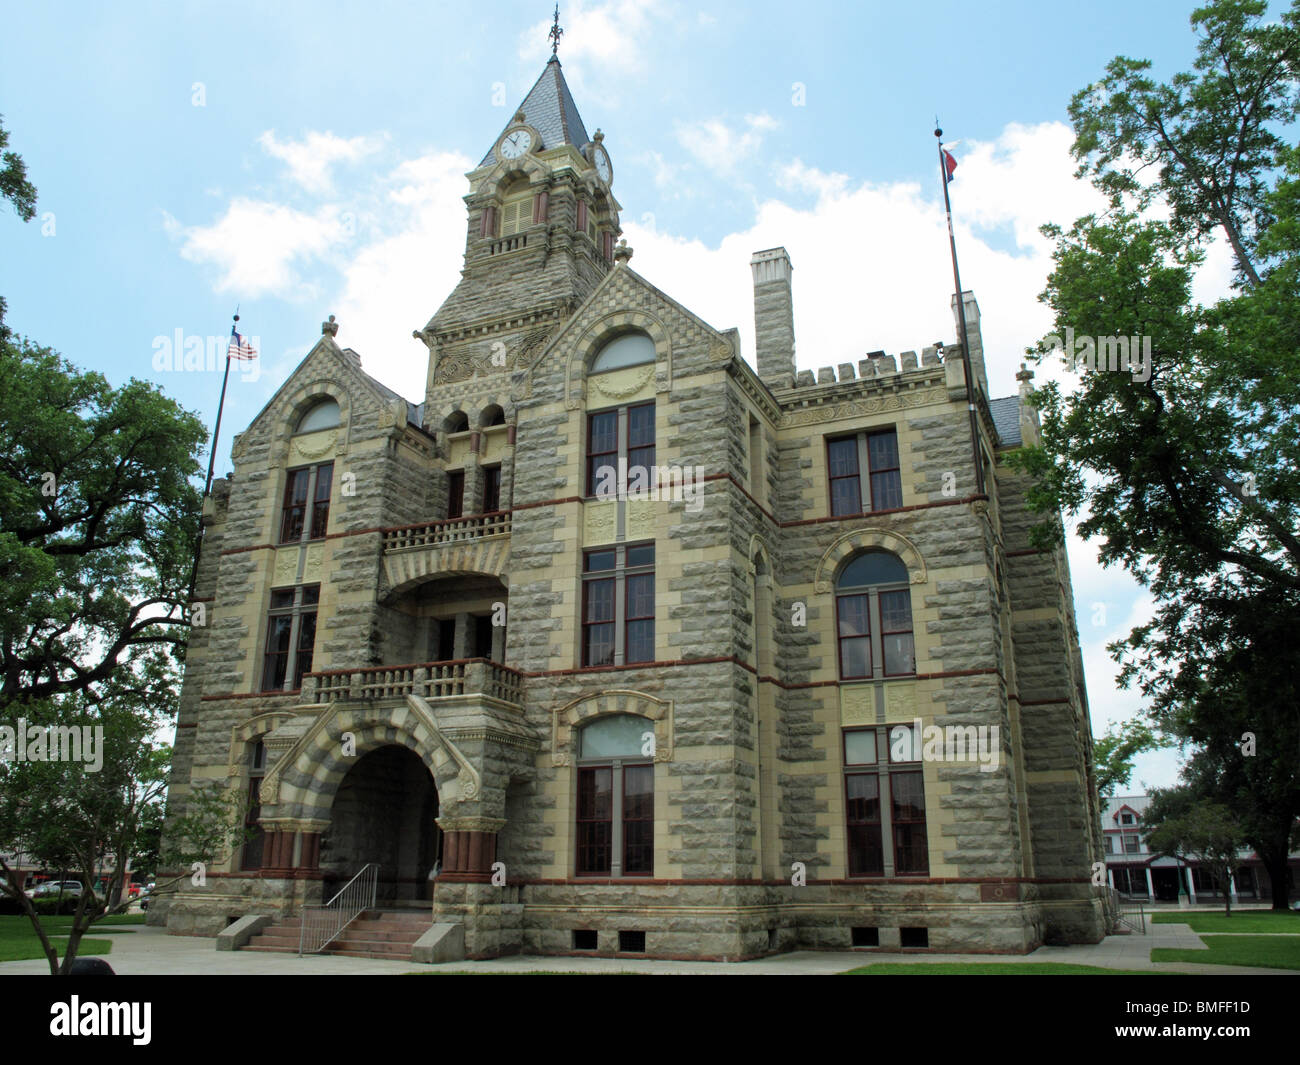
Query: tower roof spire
{"points": [[549, 109], [556, 33]]}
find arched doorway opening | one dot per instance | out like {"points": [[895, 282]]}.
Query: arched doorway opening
{"points": [[384, 812]]}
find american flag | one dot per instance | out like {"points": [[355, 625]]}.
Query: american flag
{"points": [[239, 347]]}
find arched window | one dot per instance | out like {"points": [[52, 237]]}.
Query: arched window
{"points": [[615, 823], [457, 422], [492, 415], [628, 349], [873, 610], [324, 415]]}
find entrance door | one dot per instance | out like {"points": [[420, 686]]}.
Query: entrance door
{"points": [[384, 813]]}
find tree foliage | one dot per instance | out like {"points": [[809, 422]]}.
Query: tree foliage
{"points": [[97, 520]]}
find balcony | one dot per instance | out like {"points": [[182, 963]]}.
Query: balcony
{"points": [[477, 543], [428, 680]]}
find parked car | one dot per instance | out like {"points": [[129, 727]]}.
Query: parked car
{"points": [[54, 887]]}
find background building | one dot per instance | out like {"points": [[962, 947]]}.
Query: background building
{"points": [[1133, 870]]}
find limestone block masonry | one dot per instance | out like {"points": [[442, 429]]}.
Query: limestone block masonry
{"points": [[689, 723]]}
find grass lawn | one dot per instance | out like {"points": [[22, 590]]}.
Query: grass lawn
{"points": [[994, 968], [1269, 952], [18, 941], [1243, 921]]}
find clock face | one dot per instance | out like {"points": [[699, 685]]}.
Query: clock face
{"points": [[515, 143], [603, 170]]}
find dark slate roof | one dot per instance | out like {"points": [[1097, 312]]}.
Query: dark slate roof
{"points": [[549, 109], [1006, 419]]}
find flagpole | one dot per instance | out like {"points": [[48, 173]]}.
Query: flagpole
{"points": [[961, 318], [212, 459]]}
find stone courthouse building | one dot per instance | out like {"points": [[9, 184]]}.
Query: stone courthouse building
{"points": [[560, 713]]}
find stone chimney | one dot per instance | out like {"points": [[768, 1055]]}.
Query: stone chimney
{"points": [[773, 317], [974, 339]]}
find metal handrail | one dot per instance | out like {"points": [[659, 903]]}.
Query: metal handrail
{"points": [[321, 925]]}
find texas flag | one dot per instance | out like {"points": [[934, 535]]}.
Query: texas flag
{"points": [[949, 163]]}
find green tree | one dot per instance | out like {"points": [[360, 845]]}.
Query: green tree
{"points": [[97, 520], [1185, 466], [1182, 825], [14, 184], [1210, 135], [1114, 753]]}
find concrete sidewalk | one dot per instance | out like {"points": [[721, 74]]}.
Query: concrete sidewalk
{"points": [[150, 951]]}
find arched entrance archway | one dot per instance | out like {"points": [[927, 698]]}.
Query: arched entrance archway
{"points": [[383, 812]]}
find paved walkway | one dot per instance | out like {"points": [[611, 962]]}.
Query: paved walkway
{"points": [[150, 951]]}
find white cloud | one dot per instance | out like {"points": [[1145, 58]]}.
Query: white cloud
{"points": [[395, 282], [310, 160], [259, 248], [722, 147], [608, 34]]}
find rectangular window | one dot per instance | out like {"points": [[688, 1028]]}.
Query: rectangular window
{"points": [[602, 451], [491, 489], [886, 479], [639, 635], [295, 505], [638, 819], [846, 483], [290, 637], [1131, 845], [911, 852], [310, 482], [320, 509], [595, 819], [864, 469], [862, 799], [641, 437], [455, 494], [613, 434], [884, 837], [874, 628], [618, 605], [598, 609], [855, 635], [896, 633]]}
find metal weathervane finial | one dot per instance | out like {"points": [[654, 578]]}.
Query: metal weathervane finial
{"points": [[556, 33]]}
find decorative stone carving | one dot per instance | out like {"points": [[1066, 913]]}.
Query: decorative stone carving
{"points": [[858, 704]]}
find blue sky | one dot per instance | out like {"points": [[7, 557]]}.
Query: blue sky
{"points": [[309, 159]]}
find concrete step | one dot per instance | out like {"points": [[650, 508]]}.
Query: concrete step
{"points": [[373, 934]]}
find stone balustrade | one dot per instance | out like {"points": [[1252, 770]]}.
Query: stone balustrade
{"points": [[429, 680], [450, 531]]}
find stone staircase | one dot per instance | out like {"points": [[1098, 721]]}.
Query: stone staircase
{"points": [[374, 934]]}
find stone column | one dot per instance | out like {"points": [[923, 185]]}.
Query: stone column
{"points": [[469, 847], [464, 634], [508, 470], [474, 475]]}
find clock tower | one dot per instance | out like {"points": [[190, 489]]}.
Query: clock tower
{"points": [[542, 225]]}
